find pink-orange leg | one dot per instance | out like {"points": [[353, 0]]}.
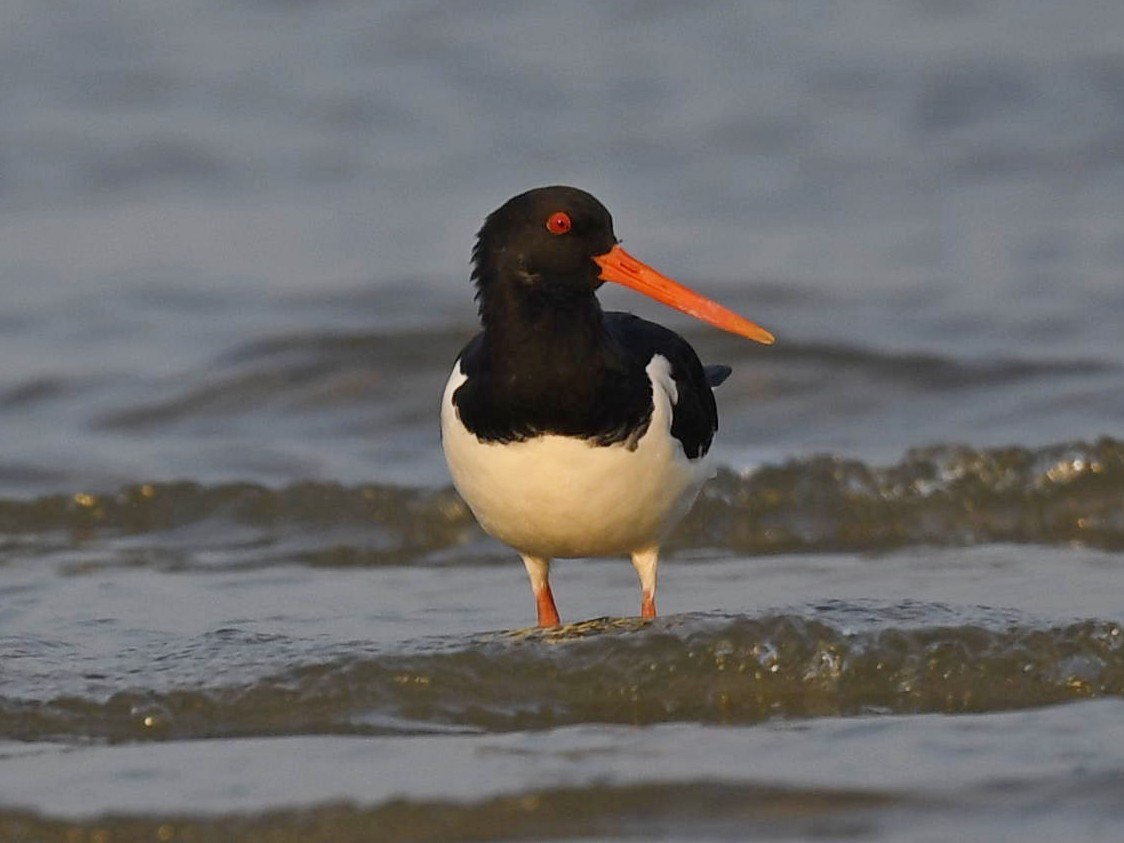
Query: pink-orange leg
{"points": [[548, 612], [538, 569], [645, 563]]}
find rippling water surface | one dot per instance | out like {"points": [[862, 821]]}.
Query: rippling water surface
{"points": [[238, 599]]}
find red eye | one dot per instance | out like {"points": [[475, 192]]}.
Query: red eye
{"points": [[559, 223]]}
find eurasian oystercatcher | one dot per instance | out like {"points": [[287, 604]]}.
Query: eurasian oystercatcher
{"points": [[570, 431]]}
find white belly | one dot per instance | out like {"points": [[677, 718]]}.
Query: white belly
{"points": [[556, 496]]}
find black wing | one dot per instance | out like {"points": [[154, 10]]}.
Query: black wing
{"points": [[695, 415]]}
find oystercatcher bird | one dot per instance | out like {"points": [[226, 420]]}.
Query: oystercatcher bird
{"points": [[570, 431]]}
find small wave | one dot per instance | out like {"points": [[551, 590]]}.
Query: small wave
{"points": [[603, 810], [943, 495], [300, 373], [837, 659]]}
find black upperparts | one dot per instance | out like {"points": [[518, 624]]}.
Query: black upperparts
{"points": [[599, 392]]}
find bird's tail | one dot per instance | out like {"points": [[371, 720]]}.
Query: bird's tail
{"points": [[716, 373]]}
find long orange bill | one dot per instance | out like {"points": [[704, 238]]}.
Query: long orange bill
{"points": [[619, 266]]}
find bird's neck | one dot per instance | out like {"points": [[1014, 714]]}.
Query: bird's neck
{"points": [[545, 332], [547, 363]]}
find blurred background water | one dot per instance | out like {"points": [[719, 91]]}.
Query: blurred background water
{"points": [[239, 596]]}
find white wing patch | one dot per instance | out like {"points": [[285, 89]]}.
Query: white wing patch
{"points": [[659, 373]]}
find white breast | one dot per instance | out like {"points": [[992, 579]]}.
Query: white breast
{"points": [[557, 496]]}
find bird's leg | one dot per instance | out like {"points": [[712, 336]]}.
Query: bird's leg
{"points": [[538, 569], [645, 562]]}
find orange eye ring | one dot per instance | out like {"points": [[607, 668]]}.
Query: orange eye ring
{"points": [[559, 223]]}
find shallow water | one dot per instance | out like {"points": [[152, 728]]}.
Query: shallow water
{"points": [[239, 599]]}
